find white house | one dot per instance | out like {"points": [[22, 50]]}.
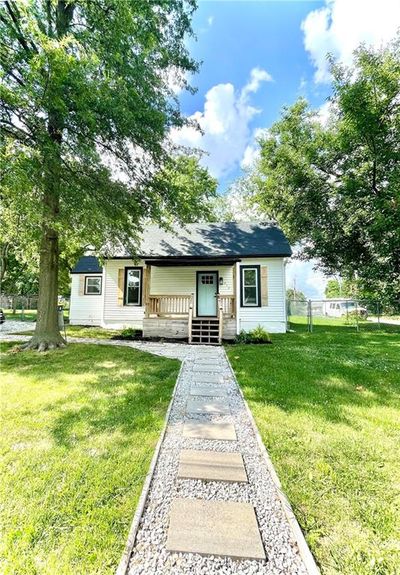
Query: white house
{"points": [[204, 282]]}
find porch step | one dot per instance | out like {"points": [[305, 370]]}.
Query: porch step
{"points": [[205, 331]]}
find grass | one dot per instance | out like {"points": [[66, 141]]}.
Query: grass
{"points": [[85, 331], [327, 406], [26, 315], [79, 427]]}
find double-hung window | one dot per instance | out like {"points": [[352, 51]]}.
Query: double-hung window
{"points": [[250, 286], [92, 285], [133, 286]]}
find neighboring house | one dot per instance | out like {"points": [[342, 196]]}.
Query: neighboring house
{"points": [[204, 282]]}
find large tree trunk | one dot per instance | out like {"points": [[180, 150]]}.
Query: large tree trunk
{"points": [[47, 334]]}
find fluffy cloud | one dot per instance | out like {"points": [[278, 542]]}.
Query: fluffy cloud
{"points": [[340, 26], [252, 150], [307, 279], [225, 124]]}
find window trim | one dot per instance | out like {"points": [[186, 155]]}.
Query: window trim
{"points": [[127, 269], [256, 267], [85, 292]]}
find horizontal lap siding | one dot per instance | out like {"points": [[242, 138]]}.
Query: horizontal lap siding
{"points": [[84, 309], [182, 280], [115, 315], [273, 316]]}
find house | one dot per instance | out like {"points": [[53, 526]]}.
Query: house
{"points": [[204, 282]]}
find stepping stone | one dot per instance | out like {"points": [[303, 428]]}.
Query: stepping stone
{"points": [[211, 466], [214, 528], [208, 405], [209, 430], [214, 367], [208, 378], [208, 390]]}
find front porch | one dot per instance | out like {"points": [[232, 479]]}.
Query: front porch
{"points": [[174, 316]]}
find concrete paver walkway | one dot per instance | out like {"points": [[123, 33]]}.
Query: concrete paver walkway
{"points": [[220, 511]]}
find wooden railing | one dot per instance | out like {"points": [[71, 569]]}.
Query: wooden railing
{"points": [[168, 305], [183, 305], [226, 303]]}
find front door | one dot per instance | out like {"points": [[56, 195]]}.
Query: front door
{"points": [[207, 289]]}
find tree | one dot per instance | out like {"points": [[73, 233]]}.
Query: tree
{"points": [[335, 187], [86, 109], [340, 289], [294, 294]]}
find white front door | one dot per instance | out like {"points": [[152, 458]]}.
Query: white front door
{"points": [[206, 291]]}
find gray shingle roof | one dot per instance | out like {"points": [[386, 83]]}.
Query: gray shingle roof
{"points": [[213, 240], [227, 239], [87, 265]]}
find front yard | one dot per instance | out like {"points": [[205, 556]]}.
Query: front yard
{"points": [[327, 406], [79, 427]]}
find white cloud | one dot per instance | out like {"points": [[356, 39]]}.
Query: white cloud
{"points": [[225, 124], [310, 281], [341, 25], [252, 150], [210, 20]]}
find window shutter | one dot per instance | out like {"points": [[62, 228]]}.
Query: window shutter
{"points": [[264, 286], [81, 285], [120, 292]]}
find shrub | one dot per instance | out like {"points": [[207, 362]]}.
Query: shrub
{"points": [[129, 333], [256, 335]]}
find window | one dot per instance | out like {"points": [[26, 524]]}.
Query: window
{"points": [[92, 285], [205, 279], [133, 286], [250, 286]]}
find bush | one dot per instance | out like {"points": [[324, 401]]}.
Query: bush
{"points": [[256, 335], [129, 333]]}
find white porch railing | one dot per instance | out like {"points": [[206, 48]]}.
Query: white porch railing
{"points": [[183, 305], [168, 305], [226, 303]]}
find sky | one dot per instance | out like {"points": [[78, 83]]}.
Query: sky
{"points": [[257, 57]]}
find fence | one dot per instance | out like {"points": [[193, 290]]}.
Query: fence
{"points": [[355, 314], [22, 306]]}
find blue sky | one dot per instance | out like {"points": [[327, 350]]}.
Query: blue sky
{"points": [[258, 56]]}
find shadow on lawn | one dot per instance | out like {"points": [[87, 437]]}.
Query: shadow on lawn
{"points": [[114, 390], [322, 373]]}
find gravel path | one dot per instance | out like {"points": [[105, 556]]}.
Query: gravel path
{"points": [[15, 325], [286, 551], [150, 556]]}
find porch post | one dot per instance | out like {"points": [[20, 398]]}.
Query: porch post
{"points": [[147, 289]]}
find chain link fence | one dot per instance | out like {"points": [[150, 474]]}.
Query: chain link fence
{"points": [[307, 315]]}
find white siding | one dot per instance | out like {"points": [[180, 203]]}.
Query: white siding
{"points": [[115, 316], [164, 280], [84, 309], [273, 316]]}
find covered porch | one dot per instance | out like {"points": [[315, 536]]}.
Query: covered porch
{"points": [[188, 301]]}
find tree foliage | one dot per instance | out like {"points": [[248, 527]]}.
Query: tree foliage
{"points": [[295, 294], [335, 187], [86, 109], [340, 289]]}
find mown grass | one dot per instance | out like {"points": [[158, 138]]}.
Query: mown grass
{"points": [[79, 427], [327, 405]]}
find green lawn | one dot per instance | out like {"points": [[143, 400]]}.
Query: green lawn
{"points": [[85, 331], [79, 427], [327, 405]]}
